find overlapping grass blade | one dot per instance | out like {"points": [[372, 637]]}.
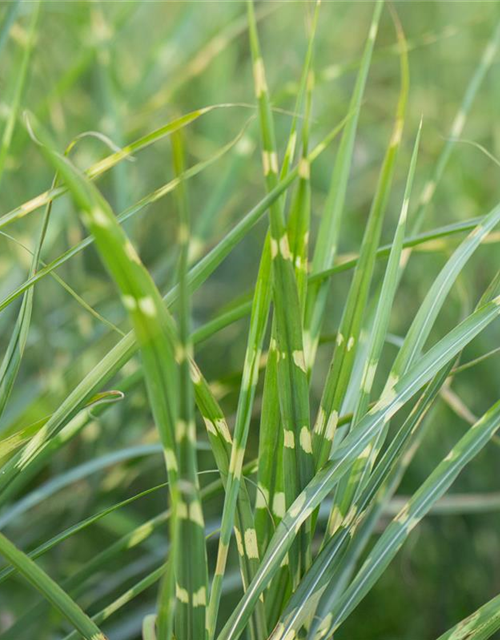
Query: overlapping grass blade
{"points": [[325, 479], [110, 161], [305, 599], [192, 570], [424, 320], [292, 376], [238, 232], [80, 526], [247, 540], [447, 231], [13, 356], [329, 579], [130, 540], [425, 317], [270, 494], [372, 495], [378, 333], [350, 326], [125, 349], [416, 508], [150, 319]]}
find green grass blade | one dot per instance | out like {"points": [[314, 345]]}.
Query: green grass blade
{"points": [[328, 234], [354, 443], [374, 492], [20, 78], [480, 625], [131, 211], [151, 325], [247, 538], [447, 231], [127, 347], [377, 336], [424, 320], [13, 356], [292, 376], [107, 163], [416, 508], [124, 598], [192, 570], [50, 590], [211, 260], [270, 495], [10, 15], [76, 528], [457, 127], [350, 326], [130, 540]]}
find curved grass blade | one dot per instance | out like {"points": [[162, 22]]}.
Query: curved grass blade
{"points": [[130, 540], [114, 360], [124, 599], [131, 211], [331, 578], [383, 482], [328, 574], [107, 163], [63, 480], [218, 253], [150, 320], [15, 350], [424, 320], [80, 526]]}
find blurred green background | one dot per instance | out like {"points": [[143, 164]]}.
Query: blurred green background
{"points": [[126, 68]]}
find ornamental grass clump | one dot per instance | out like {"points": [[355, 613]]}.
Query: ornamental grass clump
{"points": [[258, 505]]}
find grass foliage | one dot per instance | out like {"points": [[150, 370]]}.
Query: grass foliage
{"points": [[213, 424]]}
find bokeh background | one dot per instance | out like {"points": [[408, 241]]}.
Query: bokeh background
{"points": [[126, 68]]}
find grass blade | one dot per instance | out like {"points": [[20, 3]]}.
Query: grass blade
{"points": [[350, 326], [480, 625], [20, 82], [192, 570], [292, 376], [326, 247], [378, 336], [326, 479], [416, 508], [50, 590]]}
